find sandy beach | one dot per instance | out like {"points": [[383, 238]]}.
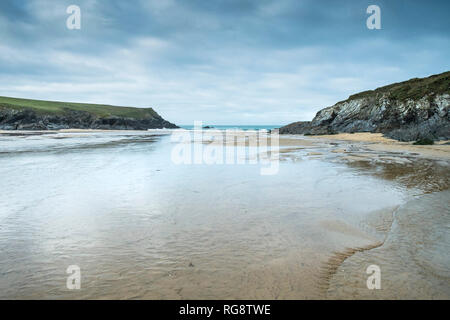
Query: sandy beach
{"points": [[403, 231], [372, 141], [338, 204], [377, 142]]}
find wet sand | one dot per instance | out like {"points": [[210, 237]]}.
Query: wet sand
{"points": [[377, 142], [413, 258], [142, 228], [413, 240]]}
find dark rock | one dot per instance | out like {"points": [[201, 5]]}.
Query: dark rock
{"points": [[408, 111], [424, 141], [27, 119]]}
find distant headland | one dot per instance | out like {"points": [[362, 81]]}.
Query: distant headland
{"points": [[26, 114], [416, 109]]}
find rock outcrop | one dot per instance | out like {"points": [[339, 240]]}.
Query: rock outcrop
{"points": [[406, 111], [16, 117]]}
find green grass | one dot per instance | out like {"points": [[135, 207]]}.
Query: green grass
{"points": [[412, 89], [57, 107]]}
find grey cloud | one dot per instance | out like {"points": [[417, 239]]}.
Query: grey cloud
{"points": [[231, 61]]}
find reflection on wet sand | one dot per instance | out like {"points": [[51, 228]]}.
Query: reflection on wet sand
{"points": [[413, 244], [141, 227], [413, 260]]}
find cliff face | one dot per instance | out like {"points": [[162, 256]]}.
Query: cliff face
{"points": [[24, 114], [406, 111]]}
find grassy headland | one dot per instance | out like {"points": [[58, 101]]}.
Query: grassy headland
{"points": [[58, 108], [28, 114]]}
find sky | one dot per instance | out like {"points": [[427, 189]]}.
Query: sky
{"points": [[219, 61]]}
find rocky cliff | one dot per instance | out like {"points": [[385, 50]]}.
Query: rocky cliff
{"points": [[24, 114], [406, 111]]}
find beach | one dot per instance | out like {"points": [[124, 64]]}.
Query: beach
{"points": [[141, 227]]}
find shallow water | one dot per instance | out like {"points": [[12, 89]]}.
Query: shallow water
{"points": [[140, 226], [414, 260]]}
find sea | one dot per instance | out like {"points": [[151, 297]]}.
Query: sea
{"points": [[234, 127]]}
